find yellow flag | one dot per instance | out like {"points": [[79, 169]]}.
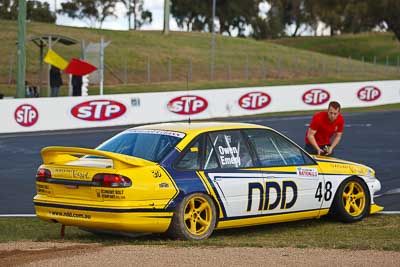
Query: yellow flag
{"points": [[56, 60]]}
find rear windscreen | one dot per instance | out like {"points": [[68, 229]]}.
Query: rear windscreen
{"points": [[151, 145]]}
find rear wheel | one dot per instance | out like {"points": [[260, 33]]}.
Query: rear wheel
{"points": [[352, 200], [194, 218]]}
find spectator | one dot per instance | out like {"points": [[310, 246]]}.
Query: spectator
{"points": [[55, 80], [76, 85], [31, 91]]}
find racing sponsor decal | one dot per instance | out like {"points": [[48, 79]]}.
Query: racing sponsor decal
{"points": [[110, 194], [158, 132], [369, 93], [163, 185], [306, 172], [98, 110], [254, 100], [43, 189], [70, 173], [265, 191], [26, 115], [187, 104], [70, 214], [316, 97]]}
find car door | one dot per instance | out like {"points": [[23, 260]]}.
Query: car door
{"points": [[291, 177], [230, 167]]}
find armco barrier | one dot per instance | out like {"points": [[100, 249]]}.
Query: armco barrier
{"points": [[42, 114]]}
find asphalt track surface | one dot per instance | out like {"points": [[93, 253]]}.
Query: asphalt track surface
{"points": [[371, 138]]}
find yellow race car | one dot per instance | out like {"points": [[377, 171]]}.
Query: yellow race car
{"points": [[187, 179]]}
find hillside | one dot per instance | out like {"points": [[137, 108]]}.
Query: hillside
{"points": [[382, 46], [140, 61]]}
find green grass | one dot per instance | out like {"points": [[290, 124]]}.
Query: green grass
{"points": [[238, 61], [378, 232], [10, 90], [367, 45]]}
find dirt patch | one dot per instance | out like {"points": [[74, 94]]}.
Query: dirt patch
{"points": [[21, 253], [77, 254]]}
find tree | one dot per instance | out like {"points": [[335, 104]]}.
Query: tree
{"points": [[140, 16], [344, 16], [190, 14], [38, 11], [269, 26], [9, 9], [196, 14], [35, 11], [92, 10], [294, 13], [386, 12]]}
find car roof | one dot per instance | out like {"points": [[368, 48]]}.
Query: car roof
{"points": [[199, 127]]}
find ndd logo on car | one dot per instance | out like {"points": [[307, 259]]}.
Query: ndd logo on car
{"points": [[369, 93], [254, 100], [316, 97], [26, 115], [187, 105], [98, 110]]}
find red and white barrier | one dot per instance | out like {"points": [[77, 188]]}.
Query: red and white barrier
{"points": [[42, 114]]}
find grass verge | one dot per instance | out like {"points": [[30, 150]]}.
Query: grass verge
{"points": [[380, 46], [377, 232], [146, 61]]}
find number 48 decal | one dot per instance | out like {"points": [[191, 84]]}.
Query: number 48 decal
{"points": [[328, 193]]}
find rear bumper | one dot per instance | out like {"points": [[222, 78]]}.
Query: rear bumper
{"points": [[116, 219]]}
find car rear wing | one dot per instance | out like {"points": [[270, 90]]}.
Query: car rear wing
{"points": [[61, 155]]}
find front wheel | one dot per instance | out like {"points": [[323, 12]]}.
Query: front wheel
{"points": [[352, 200], [194, 218]]}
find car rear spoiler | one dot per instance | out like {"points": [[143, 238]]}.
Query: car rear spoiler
{"points": [[61, 155]]}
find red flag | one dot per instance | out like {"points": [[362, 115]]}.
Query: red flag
{"points": [[79, 67]]}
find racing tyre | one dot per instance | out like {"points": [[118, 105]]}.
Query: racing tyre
{"points": [[194, 218], [352, 201]]}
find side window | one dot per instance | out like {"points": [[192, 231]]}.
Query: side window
{"points": [[210, 160], [231, 149], [191, 158], [274, 150]]}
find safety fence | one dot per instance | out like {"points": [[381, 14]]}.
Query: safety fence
{"points": [[42, 114]]}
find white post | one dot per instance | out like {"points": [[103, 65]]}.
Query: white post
{"points": [[48, 70], [101, 65], [212, 41]]}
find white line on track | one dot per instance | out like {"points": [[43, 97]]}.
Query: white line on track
{"points": [[395, 212], [351, 125], [17, 215], [65, 132], [390, 212], [278, 119]]}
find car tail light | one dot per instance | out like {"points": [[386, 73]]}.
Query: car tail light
{"points": [[111, 180], [42, 175]]}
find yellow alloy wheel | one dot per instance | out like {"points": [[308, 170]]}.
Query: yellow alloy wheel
{"points": [[198, 215], [354, 198]]}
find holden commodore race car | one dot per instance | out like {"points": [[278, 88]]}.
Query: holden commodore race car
{"points": [[188, 179]]}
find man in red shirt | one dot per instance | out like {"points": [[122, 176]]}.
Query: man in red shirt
{"points": [[323, 126]]}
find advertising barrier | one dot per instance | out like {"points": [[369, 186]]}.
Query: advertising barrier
{"points": [[43, 114]]}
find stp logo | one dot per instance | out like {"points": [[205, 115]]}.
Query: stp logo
{"points": [[26, 115], [316, 97], [187, 105], [369, 93], [254, 100], [98, 110]]}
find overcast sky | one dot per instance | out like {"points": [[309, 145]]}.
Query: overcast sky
{"points": [[121, 22]]}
